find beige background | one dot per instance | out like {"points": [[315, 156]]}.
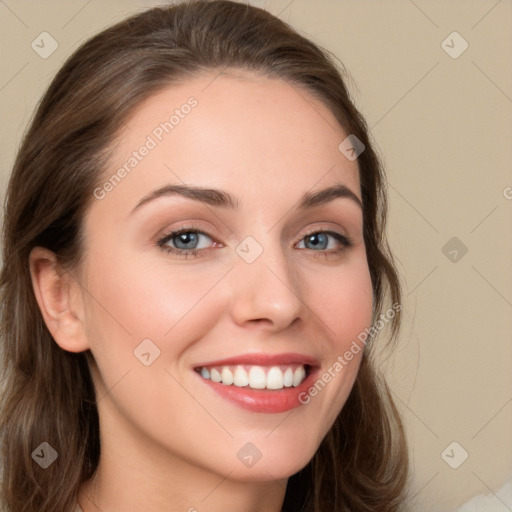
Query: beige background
{"points": [[444, 129]]}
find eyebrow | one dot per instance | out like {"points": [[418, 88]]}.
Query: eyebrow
{"points": [[220, 198]]}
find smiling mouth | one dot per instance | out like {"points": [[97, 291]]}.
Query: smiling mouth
{"points": [[273, 377]]}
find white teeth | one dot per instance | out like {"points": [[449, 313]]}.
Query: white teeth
{"points": [[256, 377], [227, 376], [241, 379], [299, 375], [275, 378], [288, 378]]}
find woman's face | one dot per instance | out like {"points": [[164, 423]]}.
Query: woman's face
{"points": [[259, 287]]}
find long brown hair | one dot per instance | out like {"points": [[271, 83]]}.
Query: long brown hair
{"points": [[361, 465]]}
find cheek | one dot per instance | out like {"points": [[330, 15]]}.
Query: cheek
{"points": [[343, 301], [134, 300]]}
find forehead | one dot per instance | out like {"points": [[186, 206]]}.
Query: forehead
{"points": [[237, 130]]}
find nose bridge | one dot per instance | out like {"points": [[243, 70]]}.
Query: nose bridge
{"points": [[267, 287]]}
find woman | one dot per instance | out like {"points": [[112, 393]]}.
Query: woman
{"points": [[194, 266]]}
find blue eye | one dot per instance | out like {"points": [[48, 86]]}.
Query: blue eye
{"points": [[319, 241], [185, 242]]}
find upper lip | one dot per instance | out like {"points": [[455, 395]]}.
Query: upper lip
{"points": [[263, 360]]}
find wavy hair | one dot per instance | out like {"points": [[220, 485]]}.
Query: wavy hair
{"points": [[48, 394]]}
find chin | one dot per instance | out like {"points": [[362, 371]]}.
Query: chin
{"points": [[271, 460]]}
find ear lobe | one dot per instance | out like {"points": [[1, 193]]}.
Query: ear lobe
{"points": [[59, 298]]}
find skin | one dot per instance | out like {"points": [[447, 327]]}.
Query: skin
{"points": [[169, 442]]}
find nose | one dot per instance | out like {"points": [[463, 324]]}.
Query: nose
{"points": [[267, 292]]}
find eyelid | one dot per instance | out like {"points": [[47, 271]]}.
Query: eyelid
{"points": [[324, 227], [183, 227]]}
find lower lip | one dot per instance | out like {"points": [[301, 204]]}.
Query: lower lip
{"points": [[264, 400]]}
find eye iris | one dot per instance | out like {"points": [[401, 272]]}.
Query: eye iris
{"points": [[186, 239], [317, 240]]}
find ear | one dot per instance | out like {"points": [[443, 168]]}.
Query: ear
{"points": [[60, 300]]}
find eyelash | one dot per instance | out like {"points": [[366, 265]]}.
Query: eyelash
{"points": [[345, 241]]}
